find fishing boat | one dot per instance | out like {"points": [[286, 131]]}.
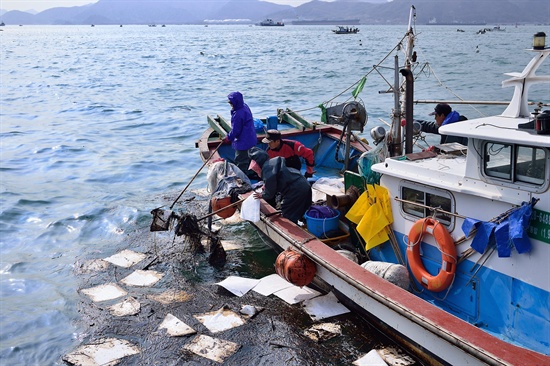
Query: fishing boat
{"points": [[473, 237], [346, 30], [271, 23]]}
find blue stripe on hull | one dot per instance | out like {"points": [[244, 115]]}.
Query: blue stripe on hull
{"points": [[508, 308]]}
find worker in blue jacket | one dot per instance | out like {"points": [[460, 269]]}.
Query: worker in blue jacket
{"points": [[294, 188], [444, 115], [243, 133]]}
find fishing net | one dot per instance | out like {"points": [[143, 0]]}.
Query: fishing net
{"points": [[368, 159], [229, 182]]}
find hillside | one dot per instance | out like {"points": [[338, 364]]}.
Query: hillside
{"points": [[253, 11]]}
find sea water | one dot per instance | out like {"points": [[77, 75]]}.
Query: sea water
{"points": [[97, 123]]}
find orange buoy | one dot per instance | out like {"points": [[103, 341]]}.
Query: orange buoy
{"points": [[296, 268], [218, 203], [446, 244]]}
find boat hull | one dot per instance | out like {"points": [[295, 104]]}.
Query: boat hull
{"points": [[438, 336]]}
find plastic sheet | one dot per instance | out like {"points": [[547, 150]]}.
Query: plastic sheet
{"points": [[250, 209]]}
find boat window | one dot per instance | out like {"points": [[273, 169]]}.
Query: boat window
{"points": [[515, 163], [530, 165], [422, 201], [498, 160]]}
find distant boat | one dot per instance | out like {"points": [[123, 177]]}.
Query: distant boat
{"points": [[494, 29], [271, 23], [326, 22], [346, 30], [2, 24]]}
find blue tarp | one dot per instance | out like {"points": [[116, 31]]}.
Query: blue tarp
{"points": [[519, 222], [469, 224], [484, 237], [509, 229], [502, 238]]}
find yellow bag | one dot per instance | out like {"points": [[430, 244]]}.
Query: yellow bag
{"points": [[357, 211], [372, 226], [377, 215]]}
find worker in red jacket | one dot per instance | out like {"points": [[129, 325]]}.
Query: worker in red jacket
{"points": [[291, 150]]}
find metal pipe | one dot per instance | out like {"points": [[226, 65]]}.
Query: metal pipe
{"points": [[476, 102], [396, 146], [409, 94]]}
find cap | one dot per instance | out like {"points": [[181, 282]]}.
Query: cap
{"points": [[441, 108], [272, 135]]}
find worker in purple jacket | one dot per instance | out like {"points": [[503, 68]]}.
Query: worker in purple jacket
{"points": [[243, 132]]}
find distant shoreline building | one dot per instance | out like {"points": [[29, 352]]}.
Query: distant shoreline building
{"points": [[228, 21], [325, 22], [434, 21]]}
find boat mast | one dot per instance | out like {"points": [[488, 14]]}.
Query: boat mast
{"points": [[396, 145]]}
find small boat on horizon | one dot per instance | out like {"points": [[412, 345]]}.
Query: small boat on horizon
{"points": [[346, 30]]}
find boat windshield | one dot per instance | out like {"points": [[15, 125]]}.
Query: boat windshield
{"points": [[515, 163]]}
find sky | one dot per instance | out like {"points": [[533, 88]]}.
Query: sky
{"points": [[40, 5]]}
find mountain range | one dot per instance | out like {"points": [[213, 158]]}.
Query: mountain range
{"points": [[252, 11]]}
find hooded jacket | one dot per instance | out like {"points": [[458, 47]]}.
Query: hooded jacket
{"points": [[243, 132]]}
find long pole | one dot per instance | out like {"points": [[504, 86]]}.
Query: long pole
{"points": [[197, 173]]}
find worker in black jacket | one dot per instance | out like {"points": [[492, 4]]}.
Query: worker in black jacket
{"points": [[294, 188]]}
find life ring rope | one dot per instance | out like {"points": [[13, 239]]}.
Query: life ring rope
{"points": [[445, 243]]}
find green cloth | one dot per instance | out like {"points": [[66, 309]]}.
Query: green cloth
{"points": [[323, 113], [359, 87]]}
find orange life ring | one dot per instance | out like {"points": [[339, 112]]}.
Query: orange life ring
{"points": [[448, 254]]}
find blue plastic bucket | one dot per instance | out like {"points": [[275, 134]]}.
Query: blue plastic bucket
{"points": [[320, 227]]}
